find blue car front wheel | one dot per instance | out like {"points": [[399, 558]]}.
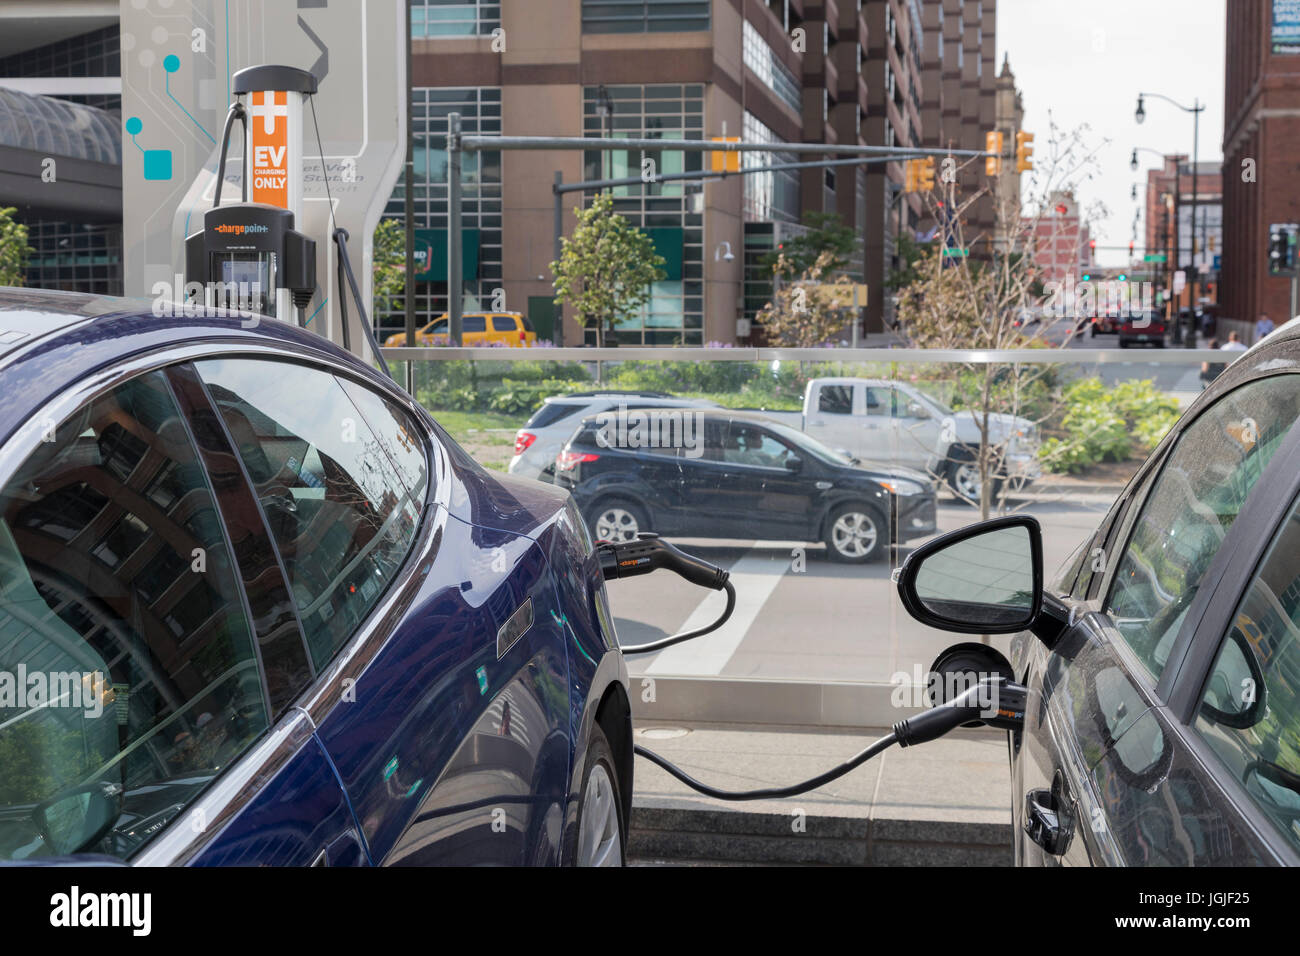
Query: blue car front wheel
{"points": [[600, 825]]}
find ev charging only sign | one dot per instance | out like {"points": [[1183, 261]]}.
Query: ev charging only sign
{"points": [[268, 138], [178, 57]]}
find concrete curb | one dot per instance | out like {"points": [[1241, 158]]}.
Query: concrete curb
{"points": [[668, 832], [695, 700]]}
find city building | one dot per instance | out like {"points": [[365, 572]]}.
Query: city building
{"points": [[1261, 138], [781, 71], [1059, 241], [61, 140]]}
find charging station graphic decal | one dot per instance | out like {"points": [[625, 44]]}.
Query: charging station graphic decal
{"points": [[269, 139]]}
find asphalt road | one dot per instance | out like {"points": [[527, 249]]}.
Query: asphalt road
{"points": [[800, 616]]}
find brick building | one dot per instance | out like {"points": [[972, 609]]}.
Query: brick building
{"points": [[1261, 150]]}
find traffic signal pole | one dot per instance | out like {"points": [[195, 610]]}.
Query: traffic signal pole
{"points": [[458, 143]]}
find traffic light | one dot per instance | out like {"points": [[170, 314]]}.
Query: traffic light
{"points": [[1131, 246], [1024, 152], [1282, 249], [925, 175], [909, 174], [993, 144]]}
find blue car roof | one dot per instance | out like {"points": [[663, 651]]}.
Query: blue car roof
{"points": [[29, 314], [50, 340]]}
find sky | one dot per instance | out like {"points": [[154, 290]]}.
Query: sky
{"points": [[1085, 63]]}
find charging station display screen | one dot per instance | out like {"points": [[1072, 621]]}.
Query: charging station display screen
{"points": [[246, 283], [254, 273]]}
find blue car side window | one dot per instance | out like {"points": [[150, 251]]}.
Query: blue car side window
{"points": [[128, 672], [342, 499]]}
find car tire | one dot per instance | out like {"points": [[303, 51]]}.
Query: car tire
{"points": [[617, 520], [1092, 330], [856, 534], [1123, 343], [964, 482], [601, 840]]}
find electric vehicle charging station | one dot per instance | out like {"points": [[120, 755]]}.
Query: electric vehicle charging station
{"points": [[249, 256], [183, 64]]}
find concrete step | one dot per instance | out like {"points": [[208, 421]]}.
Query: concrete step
{"points": [[669, 835]]}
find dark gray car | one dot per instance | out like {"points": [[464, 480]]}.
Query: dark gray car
{"points": [[1162, 722]]}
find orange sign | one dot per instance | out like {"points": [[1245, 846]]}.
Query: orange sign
{"points": [[725, 162], [268, 137]]}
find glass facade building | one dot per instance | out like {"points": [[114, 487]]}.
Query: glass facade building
{"points": [[666, 211], [480, 110]]}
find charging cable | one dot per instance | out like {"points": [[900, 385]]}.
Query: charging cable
{"points": [[649, 552], [992, 701]]}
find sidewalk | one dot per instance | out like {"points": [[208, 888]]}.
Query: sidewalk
{"points": [[944, 803]]}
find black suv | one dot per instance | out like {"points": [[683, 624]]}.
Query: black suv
{"points": [[1161, 723], [714, 473]]}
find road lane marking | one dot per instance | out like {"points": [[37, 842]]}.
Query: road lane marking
{"points": [[755, 577]]}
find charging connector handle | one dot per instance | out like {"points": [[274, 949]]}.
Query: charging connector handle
{"points": [[649, 552], [994, 701]]}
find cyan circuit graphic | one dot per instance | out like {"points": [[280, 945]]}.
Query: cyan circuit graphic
{"points": [[158, 163]]}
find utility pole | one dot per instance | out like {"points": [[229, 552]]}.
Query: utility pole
{"points": [[455, 203], [557, 334], [409, 211]]}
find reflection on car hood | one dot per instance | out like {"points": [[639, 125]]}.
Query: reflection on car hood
{"points": [[879, 471]]}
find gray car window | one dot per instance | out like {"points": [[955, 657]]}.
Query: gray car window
{"points": [[1250, 708], [1191, 507]]}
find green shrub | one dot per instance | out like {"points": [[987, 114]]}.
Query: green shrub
{"points": [[1107, 424]]}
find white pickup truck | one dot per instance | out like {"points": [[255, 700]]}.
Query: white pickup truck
{"points": [[893, 422]]}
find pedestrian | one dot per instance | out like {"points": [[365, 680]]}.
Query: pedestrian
{"points": [[1234, 344], [1263, 327], [1211, 370]]}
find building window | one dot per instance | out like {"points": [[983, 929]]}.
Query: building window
{"points": [[644, 16], [90, 54], [454, 18], [666, 211], [75, 257], [764, 64], [480, 110], [770, 195]]}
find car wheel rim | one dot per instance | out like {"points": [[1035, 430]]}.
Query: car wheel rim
{"points": [[968, 481], [617, 525], [854, 534], [599, 840]]}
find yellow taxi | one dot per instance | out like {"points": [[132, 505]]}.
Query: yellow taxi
{"points": [[478, 328]]}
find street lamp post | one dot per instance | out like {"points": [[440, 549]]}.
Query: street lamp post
{"points": [[1170, 267], [604, 109], [1196, 109]]}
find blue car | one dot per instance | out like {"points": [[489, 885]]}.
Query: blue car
{"points": [[257, 608]]}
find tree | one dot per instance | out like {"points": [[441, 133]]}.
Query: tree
{"points": [[389, 268], [13, 248], [808, 311], [962, 302], [910, 253], [826, 234], [605, 268]]}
